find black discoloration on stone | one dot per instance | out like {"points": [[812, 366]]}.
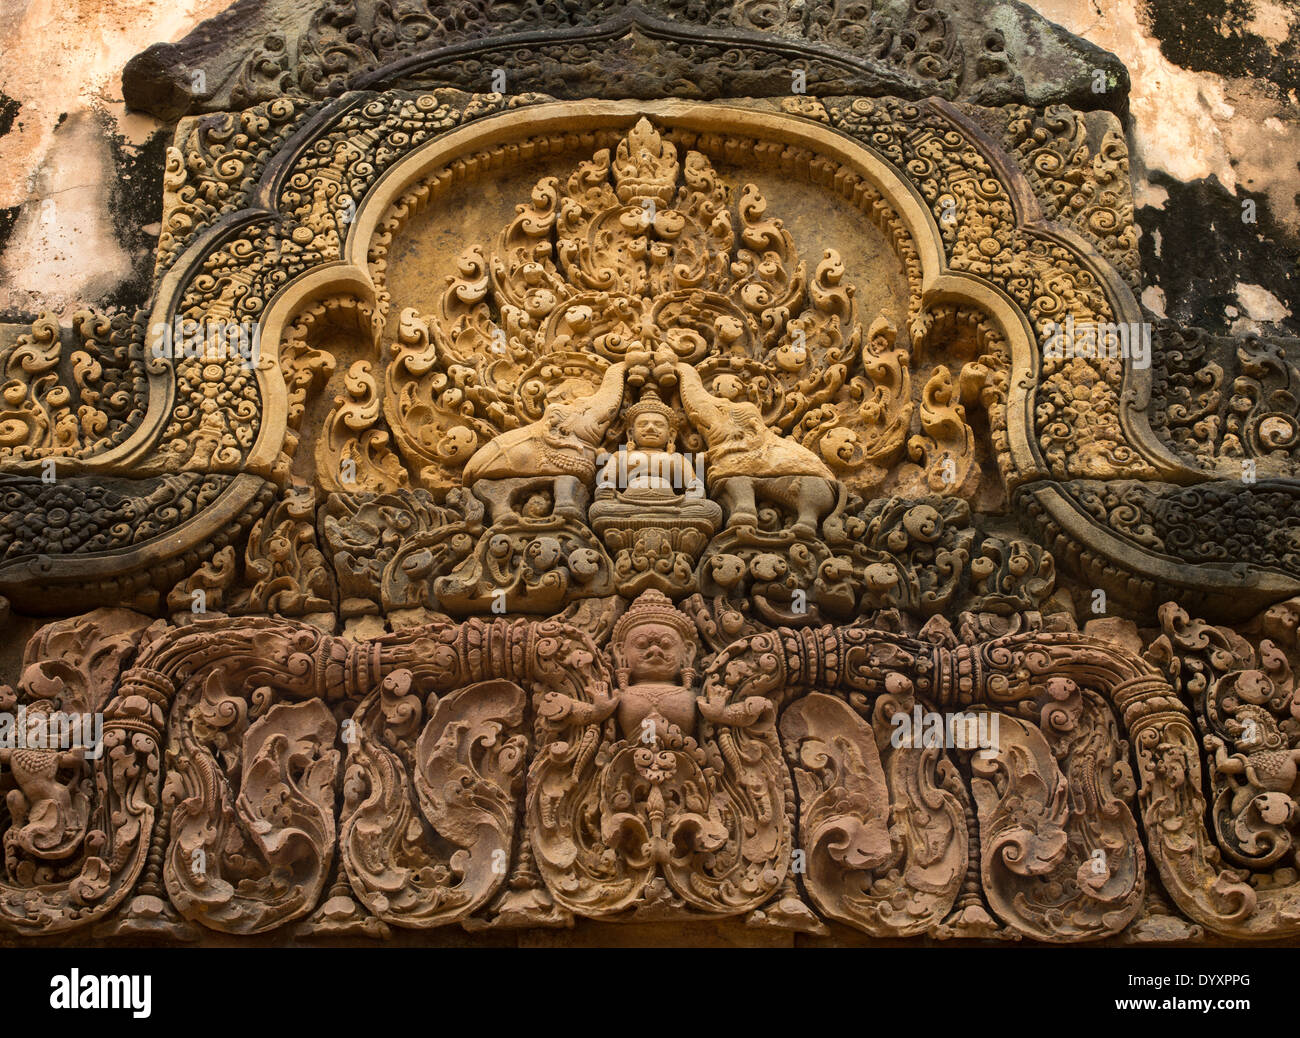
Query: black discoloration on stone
{"points": [[8, 112], [135, 202], [1206, 250], [1212, 36], [8, 217]]}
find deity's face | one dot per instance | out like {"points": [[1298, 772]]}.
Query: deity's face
{"points": [[727, 386], [650, 431], [655, 653]]}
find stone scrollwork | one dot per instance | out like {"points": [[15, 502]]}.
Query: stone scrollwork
{"points": [[733, 48], [638, 255], [452, 774], [79, 808], [512, 773], [1241, 691], [1060, 849], [1053, 867], [1227, 401], [248, 860], [47, 416], [660, 513], [649, 230], [387, 549], [886, 841]]}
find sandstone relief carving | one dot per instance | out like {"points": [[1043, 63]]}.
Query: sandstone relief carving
{"points": [[528, 511]]}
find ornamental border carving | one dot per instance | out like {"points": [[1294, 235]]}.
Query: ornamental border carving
{"points": [[936, 137]]}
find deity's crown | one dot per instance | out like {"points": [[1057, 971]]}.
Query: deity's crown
{"points": [[653, 607], [650, 403]]}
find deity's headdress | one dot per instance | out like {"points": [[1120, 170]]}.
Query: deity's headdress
{"points": [[650, 403], [654, 607]]}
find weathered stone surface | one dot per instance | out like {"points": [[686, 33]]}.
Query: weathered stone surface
{"points": [[716, 515], [993, 53], [1214, 135]]}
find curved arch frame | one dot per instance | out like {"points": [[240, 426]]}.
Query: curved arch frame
{"points": [[1225, 587], [939, 283]]}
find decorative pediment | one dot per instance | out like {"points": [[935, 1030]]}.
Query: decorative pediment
{"points": [[995, 53], [522, 509], [638, 250]]}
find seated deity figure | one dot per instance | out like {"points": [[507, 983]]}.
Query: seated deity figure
{"points": [[746, 456], [650, 507], [561, 445], [649, 468]]}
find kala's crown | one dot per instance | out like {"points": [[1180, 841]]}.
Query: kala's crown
{"points": [[653, 607]]}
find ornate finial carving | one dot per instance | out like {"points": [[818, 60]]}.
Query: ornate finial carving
{"points": [[645, 166]]}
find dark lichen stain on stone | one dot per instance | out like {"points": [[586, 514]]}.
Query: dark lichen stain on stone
{"points": [[135, 202], [8, 112], [1206, 250], [1215, 36], [8, 217]]}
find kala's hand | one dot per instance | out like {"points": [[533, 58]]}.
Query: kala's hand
{"points": [[750, 712], [556, 709]]}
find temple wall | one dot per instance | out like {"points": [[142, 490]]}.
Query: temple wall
{"points": [[726, 473], [1213, 123]]}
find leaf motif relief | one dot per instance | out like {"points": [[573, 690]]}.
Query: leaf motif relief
{"points": [[1061, 858], [252, 860], [428, 821], [884, 856]]}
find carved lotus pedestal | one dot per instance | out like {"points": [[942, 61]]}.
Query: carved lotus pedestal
{"points": [[655, 544], [455, 685]]}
